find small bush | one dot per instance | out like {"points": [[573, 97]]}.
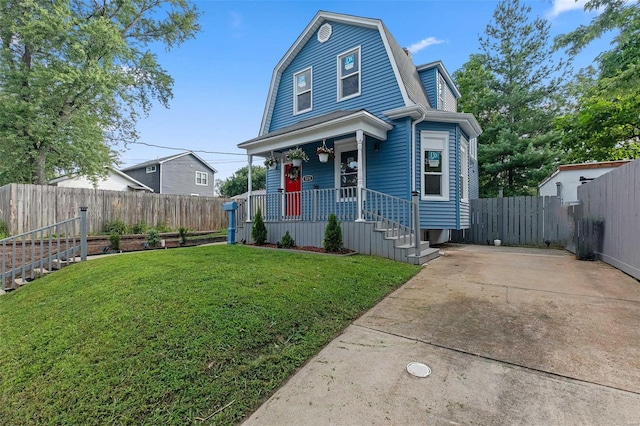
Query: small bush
{"points": [[4, 229], [259, 230], [153, 238], [162, 227], [287, 241], [114, 241], [140, 227], [116, 227], [333, 235], [182, 233]]}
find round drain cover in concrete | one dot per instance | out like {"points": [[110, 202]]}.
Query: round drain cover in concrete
{"points": [[418, 369]]}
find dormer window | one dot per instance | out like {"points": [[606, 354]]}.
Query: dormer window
{"points": [[302, 88], [349, 74], [150, 169]]}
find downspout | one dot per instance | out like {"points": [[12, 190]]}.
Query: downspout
{"points": [[413, 149], [249, 186], [416, 215], [160, 176]]}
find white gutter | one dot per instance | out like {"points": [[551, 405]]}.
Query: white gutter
{"points": [[413, 149]]}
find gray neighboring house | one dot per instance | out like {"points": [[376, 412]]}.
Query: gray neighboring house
{"points": [[180, 174]]}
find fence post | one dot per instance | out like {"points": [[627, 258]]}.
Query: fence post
{"points": [[83, 233], [416, 219]]}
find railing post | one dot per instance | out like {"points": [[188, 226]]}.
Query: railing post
{"points": [[280, 204], [83, 233], [416, 219]]}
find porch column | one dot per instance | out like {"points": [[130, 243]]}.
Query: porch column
{"points": [[360, 187], [249, 186]]}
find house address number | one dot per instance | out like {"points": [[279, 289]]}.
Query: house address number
{"points": [[307, 178]]}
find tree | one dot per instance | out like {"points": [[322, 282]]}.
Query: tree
{"points": [[512, 87], [333, 235], [603, 123], [76, 76], [259, 229], [238, 182]]}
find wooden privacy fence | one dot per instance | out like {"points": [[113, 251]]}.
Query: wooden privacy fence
{"points": [[613, 201], [528, 221], [26, 207]]}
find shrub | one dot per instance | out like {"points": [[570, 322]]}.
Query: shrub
{"points": [[140, 227], [116, 227], [163, 227], [182, 233], [287, 241], [153, 238], [333, 235], [259, 230], [4, 229], [114, 241]]}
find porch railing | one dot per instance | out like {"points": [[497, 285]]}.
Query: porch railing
{"points": [[393, 214], [29, 254]]}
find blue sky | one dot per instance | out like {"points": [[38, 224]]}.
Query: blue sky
{"points": [[223, 75]]}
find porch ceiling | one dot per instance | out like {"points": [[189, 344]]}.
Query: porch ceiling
{"points": [[326, 126]]}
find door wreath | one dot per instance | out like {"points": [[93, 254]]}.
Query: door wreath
{"points": [[294, 173]]}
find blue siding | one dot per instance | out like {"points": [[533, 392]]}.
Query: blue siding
{"points": [[379, 91], [388, 170], [441, 214], [429, 78]]}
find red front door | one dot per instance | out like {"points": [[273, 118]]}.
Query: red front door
{"points": [[292, 187]]}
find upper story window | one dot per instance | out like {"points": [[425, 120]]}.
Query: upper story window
{"points": [[202, 178], [349, 74], [435, 165], [150, 169], [302, 88]]}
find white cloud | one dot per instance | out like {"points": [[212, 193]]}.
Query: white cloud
{"points": [[236, 19], [561, 6], [423, 44]]}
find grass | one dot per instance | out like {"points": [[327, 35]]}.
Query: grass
{"points": [[163, 337]]}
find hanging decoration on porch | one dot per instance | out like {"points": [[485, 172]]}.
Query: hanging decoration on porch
{"points": [[294, 173], [271, 162], [297, 156], [324, 152]]}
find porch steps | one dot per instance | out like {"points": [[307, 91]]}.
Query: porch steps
{"points": [[403, 250], [39, 272]]}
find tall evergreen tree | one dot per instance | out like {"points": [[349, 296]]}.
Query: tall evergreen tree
{"points": [[76, 75], [520, 82]]}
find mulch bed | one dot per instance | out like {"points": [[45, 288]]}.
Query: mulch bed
{"points": [[311, 249]]}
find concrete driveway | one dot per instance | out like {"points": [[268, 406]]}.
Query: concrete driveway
{"points": [[513, 336]]}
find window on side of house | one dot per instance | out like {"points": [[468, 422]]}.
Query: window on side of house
{"points": [[150, 169], [464, 170], [202, 178], [349, 74], [346, 169], [435, 165], [302, 89]]}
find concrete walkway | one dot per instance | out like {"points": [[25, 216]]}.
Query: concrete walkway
{"points": [[513, 336]]}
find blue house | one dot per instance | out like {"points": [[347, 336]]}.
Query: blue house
{"points": [[403, 166]]}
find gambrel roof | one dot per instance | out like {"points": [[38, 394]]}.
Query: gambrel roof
{"points": [[404, 70]]}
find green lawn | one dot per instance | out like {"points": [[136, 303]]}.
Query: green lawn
{"points": [[165, 336]]}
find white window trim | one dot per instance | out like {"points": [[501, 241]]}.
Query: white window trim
{"points": [[150, 169], [339, 77], [432, 141], [464, 169], [206, 175], [295, 92], [339, 147]]}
